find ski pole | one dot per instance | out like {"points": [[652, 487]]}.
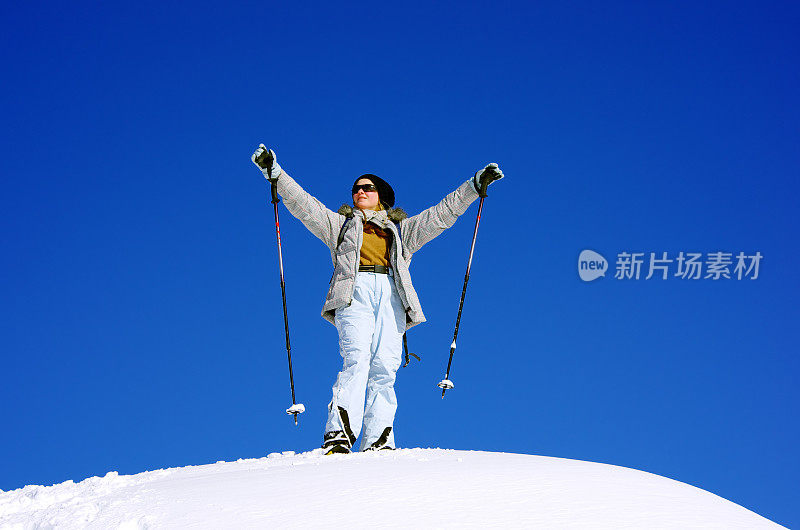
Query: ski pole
{"points": [[265, 160], [446, 384]]}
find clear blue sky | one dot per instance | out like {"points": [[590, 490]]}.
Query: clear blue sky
{"points": [[141, 317]]}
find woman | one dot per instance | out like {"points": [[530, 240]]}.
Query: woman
{"points": [[371, 300]]}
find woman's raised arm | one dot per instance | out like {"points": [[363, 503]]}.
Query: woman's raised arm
{"points": [[322, 222]]}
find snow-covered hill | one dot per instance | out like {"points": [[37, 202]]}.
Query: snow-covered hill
{"points": [[407, 488]]}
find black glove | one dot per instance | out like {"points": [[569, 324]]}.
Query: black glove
{"points": [[265, 160], [486, 176]]}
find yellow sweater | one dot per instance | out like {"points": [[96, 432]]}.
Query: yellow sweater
{"points": [[375, 246]]}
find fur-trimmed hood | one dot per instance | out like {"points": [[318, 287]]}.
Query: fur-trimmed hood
{"points": [[395, 214]]}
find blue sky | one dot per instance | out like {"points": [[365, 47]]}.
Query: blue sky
{"points": [[142, 325]]}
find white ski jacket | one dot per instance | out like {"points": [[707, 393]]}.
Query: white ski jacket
{"points": [[413, 233]]}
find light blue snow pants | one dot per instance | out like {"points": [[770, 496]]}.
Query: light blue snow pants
{"points": [[371, 342]]}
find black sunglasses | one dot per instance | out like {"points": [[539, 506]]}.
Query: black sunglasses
{"points": [[365, 187]]}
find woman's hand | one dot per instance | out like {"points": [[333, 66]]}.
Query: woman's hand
{"points": [[486, 176], [265, 160]]}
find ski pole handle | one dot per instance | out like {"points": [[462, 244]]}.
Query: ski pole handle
{"points": [[486, 176], [484, 186], [274, 190], [265, 161]]}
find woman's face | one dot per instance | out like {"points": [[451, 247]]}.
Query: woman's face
{"points": [[365, 200]]}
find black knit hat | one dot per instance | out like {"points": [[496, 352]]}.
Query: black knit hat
{"points": [[385, 192]]}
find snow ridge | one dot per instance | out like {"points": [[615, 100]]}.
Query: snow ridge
{"points": [[428, 488]]}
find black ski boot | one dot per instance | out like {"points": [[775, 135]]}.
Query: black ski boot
{"points": [[340, 441], [380, 443], [336, 442]]}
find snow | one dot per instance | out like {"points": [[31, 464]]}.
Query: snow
{"points": [[407, 488], [446, 384], [297, 408]]}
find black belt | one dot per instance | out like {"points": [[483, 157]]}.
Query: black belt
{"points": [[380, 269]]}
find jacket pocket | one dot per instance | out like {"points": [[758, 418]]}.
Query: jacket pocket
{"points": [[345, 248]]}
